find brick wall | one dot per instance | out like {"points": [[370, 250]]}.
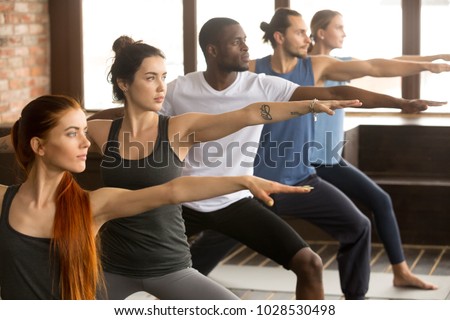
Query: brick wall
{"points": [[24, 55]]}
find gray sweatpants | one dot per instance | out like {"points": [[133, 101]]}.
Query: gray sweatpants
{"points": [[186, 284]]}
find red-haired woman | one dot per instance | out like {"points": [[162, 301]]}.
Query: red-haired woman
{"points": [[48, 224]]}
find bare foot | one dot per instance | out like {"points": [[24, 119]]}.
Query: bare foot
{"points": [[412, 280], [403, 277]]}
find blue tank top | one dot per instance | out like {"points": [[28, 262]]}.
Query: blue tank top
{"points": [[25, 269], [152, 243], [283, 154], [329, 132]]}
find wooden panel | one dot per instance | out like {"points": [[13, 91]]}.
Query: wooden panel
{"points": [[405, 151], [66, 47], [190, 35], [411, 164], [282, 3], [411, 11]]}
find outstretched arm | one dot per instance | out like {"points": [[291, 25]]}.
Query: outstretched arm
{"points": [[445, 57], [369, 99], [111, 203], [348, 70], [190, 128]]}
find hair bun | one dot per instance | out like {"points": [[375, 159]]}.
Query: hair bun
{"points": [[121, 42], [264, 26]]}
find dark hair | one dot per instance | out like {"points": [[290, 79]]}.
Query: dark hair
{"points": [[278, 23], [128, 59], [211, 30], [73, 243], [320, 20]]}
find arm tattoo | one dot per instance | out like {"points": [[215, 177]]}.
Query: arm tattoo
{"points": [[296, 113], [265, 112]]}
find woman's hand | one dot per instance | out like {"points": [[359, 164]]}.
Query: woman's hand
{"points": [[262, 188], [327, 106]]}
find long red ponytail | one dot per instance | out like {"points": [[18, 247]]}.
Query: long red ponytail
{"points": [[74, 242]]}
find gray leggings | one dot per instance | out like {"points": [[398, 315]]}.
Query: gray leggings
{"points": [[186, 284]]}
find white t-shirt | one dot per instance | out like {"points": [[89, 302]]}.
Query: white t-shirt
{"points": [[234, 154]]}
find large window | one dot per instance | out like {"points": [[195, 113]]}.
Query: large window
{"points": [[158, 23], [373, 29]]}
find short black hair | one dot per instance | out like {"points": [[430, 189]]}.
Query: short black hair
{"points": [[211, 30]]}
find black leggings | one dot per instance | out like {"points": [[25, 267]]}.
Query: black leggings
{"points": [[251, 223], [356, 185], [328, 208]]}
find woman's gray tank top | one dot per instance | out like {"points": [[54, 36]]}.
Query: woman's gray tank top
{"points": [[152, 243]]}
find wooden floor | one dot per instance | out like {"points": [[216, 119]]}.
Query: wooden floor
{"points": [[423, 260]]}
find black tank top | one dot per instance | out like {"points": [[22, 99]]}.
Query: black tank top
{"points": [[152, 243], [25, 268]]}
